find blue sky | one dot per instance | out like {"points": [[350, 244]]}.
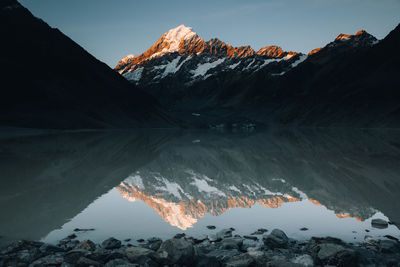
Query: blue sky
{"points": [[112, 29]]}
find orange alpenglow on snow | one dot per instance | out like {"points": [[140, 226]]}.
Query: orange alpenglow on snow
{"points": [[184, 214]]}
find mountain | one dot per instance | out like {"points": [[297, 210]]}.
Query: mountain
{"points": [[351, 82], [181, 59], [49, 81]]}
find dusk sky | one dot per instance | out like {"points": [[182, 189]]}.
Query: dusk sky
{"points": [[112, 29]]}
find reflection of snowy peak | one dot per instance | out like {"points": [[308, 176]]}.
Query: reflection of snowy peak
{"points": [[222, 171], [182, 205]]}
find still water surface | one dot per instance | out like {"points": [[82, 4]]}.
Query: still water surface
{"points": [[143, 184]]}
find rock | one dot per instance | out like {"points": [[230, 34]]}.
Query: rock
{"points": [[105, 255], [282, 263], [139, 254], [72, 236], [389, 246], [231, 243], [249, 243], [391, 237], [111, 243], [127, 240], [213, 238], [242, 260], [344, 258], [304, 260], [141, 240], [223, 254], [304, 229], [224, 233], [48, 248], [208, 262], [328, 250], [277, 239], [379, 223], [83, 230], [120, 263], [211, 227], [50, 260], [153, 244], [180, 235], [28, 255], [178, 251], [83, 262], [87, 245], [74, 255], [250, 237], [260, 231]]}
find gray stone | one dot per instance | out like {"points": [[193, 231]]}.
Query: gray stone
{"points": [[276, 239], [223, 254], [178, 251], [48, 248], [249, 243], [211, 227], [137, 254], [73, 256], [389, 246], [379, 223], [242, 260], [231, 243], [50, 260], [111, 243], [224, 233], [83, 262], [87, 245], [120, 263], [28, 255], [250, 237], [304, 260], [208, 262], [212, 237], [260, 231], [328, 250]]}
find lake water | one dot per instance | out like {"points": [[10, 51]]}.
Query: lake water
{"points": [[158, 183]]}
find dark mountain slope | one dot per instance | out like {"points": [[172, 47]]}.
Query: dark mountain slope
{"points": [[340, 86], [48, 81]]}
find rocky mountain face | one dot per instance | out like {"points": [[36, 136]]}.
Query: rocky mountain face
{"points": [[81, 92], [227, 86], [180, 59]]}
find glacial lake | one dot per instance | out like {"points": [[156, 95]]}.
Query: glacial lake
{"points": [[140, 184]]}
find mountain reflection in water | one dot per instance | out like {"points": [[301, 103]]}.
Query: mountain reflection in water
{"points": [[330, 181]]}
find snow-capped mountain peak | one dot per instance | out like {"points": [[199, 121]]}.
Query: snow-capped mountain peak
{"points": [[176, 35]]}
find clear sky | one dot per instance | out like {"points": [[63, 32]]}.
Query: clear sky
{"points": [[112, 29]]}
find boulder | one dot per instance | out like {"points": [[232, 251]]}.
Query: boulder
{"points": [[242, 260], [111, 243], [85, 262], [73, 256], [223, 254], [86, 244], [276, 239], [120, 263], [137, 254], [305, 260], [178, 251], [379, 223], [224, 233]]}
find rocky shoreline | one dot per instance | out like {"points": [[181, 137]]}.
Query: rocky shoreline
{"points": [[225, 248]]}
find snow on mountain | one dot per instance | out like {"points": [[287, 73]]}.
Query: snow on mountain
{"points": [[181, 52]]}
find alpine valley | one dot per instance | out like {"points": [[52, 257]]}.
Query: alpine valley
{"points": [[350, 82]]}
